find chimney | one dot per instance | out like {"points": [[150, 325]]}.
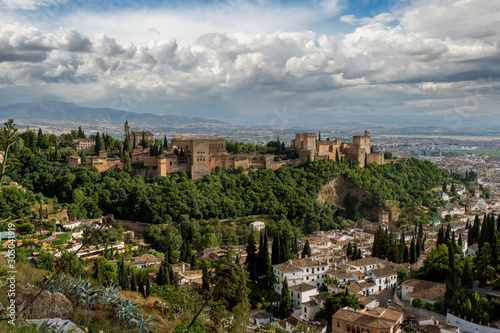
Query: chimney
{"points": [[183, 268], [289, 261]]}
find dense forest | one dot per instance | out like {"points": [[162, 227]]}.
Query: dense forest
{"points": [[289, 192]]}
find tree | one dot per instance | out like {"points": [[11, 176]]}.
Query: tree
{"points": [[97, 147], [285, 300], [240, 310], [349, 249], [205, 276], [402, 275], [134, 143], [467, 274], [7, 140], [252, 258], [417, 302], [276, 249], [126, 144], [264, 261], [306, 251], [165, 142], [445, 189], [413, 257], [336, 302]]}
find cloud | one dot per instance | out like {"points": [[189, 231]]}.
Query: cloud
{"points": [[267, 54], [29, 4]]}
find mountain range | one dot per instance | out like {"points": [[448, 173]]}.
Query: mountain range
{"points": [[69, 112]]}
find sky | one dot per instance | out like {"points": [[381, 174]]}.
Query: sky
{"points": [[219, 59]]}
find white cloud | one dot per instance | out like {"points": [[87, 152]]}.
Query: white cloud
{"points": [[178, 55], [29, 4]]}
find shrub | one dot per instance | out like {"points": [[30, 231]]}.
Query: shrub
{"points": [[417, 302]]}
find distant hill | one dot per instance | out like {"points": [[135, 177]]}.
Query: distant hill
{"points": [[69, 112]]}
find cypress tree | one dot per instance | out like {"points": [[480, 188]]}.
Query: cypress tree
{"points": [[285, 246], [460, 241], [165, 142], [295, 249], [285, 299], [447, 235], [79, 132], [337, 160], [252, 258], [97, 147], [134, 143], [451, 284], [349, 249], [467, 275], [205, 277], [306, 251], [355, 251], [39, 138], [444, 187], [418, 248], [319, 139], [412, 257], [264, 261], [148, 286], [276, 249], [140, 282]]}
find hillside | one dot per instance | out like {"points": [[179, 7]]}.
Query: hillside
{"points": [[69, 112]]}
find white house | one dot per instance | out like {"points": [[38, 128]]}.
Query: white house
{"points": [[384, 278], [257, 226], [366, 264], [309, 270], [300, 294], [259, 317]]}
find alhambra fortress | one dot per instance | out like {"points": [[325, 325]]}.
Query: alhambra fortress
{"points": [[202, 154]]}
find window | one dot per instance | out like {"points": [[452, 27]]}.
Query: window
{"points": [[338, 324], [307, 270]]}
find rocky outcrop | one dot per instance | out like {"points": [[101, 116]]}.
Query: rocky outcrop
{"points": [[47, 305], [336, 190]]}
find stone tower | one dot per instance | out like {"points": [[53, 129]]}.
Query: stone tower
{"points": [[363, 142], [126, 129]]}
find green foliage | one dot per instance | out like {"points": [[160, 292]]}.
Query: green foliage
{"points": [[467, 303], [336, 302], [285, 300], [417, 302]]}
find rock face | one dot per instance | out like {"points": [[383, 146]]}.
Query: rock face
{"points": [[47, 305], [336, 190]]}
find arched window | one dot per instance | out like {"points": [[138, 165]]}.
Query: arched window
{"points": [[348, 327]]}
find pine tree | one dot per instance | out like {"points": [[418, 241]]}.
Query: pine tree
{"points": [[285, 299], [306, 251], [252, 259]]}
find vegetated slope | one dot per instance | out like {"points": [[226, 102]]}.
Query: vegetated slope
{"points": [[290, 191]]}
